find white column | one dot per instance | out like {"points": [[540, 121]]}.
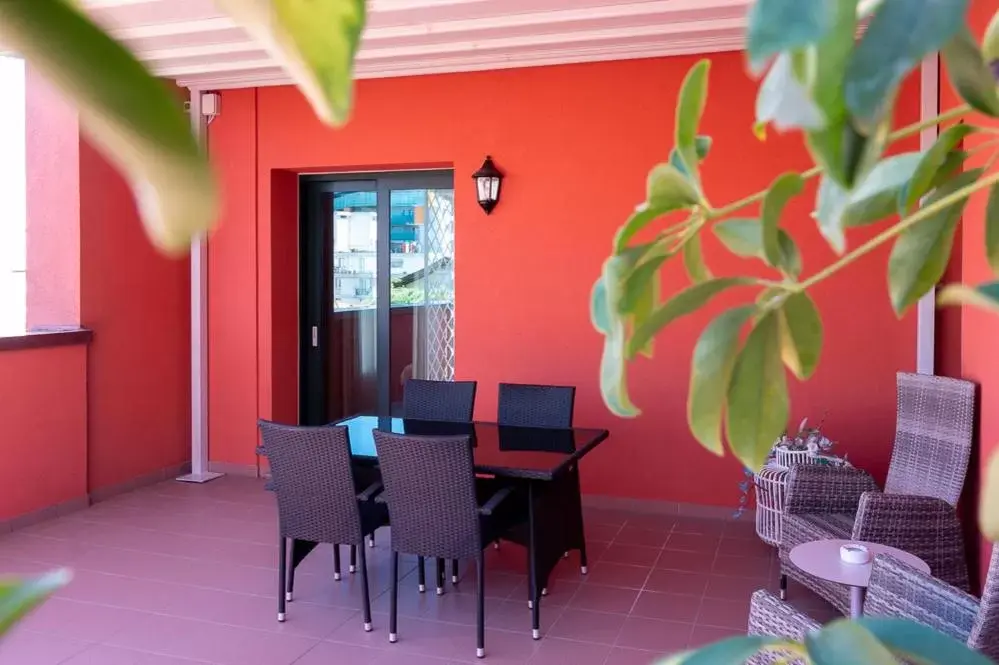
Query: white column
{"points": [[929, 107], [199, 338]]}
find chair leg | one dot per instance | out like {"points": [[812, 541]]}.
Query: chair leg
{"points": [[454, 571], [783, 586], [394, 599], [480, 625], [582, 559], [421, 574], [440, 577], [371, 539], [364, 590], [352, 568], [336, 563], [290, 589], [282, 576]]}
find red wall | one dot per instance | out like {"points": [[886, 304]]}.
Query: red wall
{"points": [[43, 406], [575, 143]]}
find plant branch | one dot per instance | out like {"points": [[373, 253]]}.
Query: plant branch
{"points": [[889, 233]]}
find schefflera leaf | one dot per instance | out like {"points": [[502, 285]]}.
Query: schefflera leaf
{"points": [[315, 41], [134, 118]]}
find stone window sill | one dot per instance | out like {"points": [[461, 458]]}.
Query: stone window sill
{"points": [[46, 338]]}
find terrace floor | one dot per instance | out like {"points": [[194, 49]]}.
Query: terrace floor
{"points": [[179, 574]]}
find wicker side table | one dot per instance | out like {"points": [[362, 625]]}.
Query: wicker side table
{"points": [[771, 490]]}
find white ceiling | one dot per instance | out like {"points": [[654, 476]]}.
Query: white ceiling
{"points": [[192, 42]]}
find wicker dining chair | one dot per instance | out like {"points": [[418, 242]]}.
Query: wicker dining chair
{"points": [[318, 501], [452, 401], [899, 591], [449, 401], [437, 509], [915, 512], [525, 405]]}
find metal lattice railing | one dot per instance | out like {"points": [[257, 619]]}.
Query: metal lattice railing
{"points": [[439, 285]]}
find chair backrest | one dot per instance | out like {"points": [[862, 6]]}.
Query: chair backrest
{"points": [[430, 491], [452, 401], [536, 406], [985, 632], [314, 481], [933, 436]]}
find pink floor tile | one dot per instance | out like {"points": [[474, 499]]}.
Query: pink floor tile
{"points": [[331, 653], [729, 546], [733, 614], [515, 616], [636, 555], [693, 542], [662, 522], [631, 535], [732, 588], [101, 654], [588, 626], [664, 637], [699, 525], [602, 533], [626, 656], [705, 635], [691, 562], [742, 566], [86, 622], [603, 599], [555, 651], [22, 647], [618, 574], [673, 607]]}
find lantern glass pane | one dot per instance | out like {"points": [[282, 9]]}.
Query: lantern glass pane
{"points": [[482, 187]]}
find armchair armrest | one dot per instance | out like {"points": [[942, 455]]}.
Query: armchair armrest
{"points": [[372, 492], [900, 591], [769, 616], [495, 500], [260, 451], [825, 489]]}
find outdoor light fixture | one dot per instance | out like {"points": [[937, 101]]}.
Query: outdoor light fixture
{"points": [[487, 184]]}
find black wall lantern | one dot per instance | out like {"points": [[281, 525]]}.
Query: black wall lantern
{"points": [[487, 185]]}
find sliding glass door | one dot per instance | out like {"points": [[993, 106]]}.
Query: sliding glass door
{"points": [[377, 290]]}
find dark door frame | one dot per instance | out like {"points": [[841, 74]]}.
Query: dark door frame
{"points": [[316, 278]]}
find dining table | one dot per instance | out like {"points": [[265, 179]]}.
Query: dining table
{"points": [[544, 461]]}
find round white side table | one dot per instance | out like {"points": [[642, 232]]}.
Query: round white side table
{"points": [[821, 559]]}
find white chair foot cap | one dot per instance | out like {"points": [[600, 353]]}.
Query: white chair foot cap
{"points": [[495, 546], [287, 596], [480, 653], [783, 594], [281, 617], [565, 556], [352, 568], [454, 579], [544, 592], [530, 604], [536, 634], [336, 577], [422, 588], [367, 628], [371, 543], [393, 638], [440, 591], [584, 569]]}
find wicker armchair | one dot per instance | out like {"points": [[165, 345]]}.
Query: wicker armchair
{"points": [[318, 501], [450, 401], [437, 509], [899, 591], [915, 512]]}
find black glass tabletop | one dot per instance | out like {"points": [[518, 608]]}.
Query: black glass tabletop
{"points": [[503, 450]]}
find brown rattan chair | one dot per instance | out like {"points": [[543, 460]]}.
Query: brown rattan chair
{"points": [[899, 591], [915, 512], [318, 501], [437, 509]]}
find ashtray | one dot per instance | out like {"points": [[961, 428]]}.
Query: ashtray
{"points": [[854, 553]]}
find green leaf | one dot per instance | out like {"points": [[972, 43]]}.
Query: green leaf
{"points": [[969, 74], [667, 190], [690, 106], [782, 25], [742, 237], [757, 405], [990, 42], [636, 284], [18, 597], [933, 162], [730, 651], [646, 301], [801, 334], [315, 41], [613, 368], [790, 261], [900, 34], [781, 191], [992, 229], [784, 101], [711, 368], [984, 296], [689, 300], [921, 252], [830, 206], [918, 643], [702, 145], [135, 119], [876, 197], [600, 311], [844, 642], [693, 260]]}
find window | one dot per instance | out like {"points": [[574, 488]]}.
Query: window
{"points": [[13, 194]]}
